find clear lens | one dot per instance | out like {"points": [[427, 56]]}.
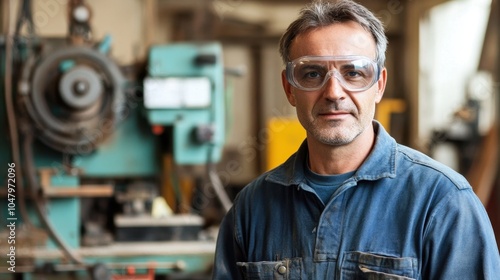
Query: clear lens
{"points": [[355, 73]]}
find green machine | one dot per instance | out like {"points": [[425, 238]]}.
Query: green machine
{"points": [[185, 89], [93, 153], [89, 167]]}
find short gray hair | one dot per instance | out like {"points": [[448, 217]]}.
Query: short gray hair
{"points": [[323, 13]]}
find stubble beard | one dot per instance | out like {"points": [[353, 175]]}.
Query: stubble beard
{"points": [[335, 132]]}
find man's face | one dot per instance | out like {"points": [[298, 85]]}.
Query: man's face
{"points": [[332, 115]]}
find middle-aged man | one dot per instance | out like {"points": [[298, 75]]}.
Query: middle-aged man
{"points": [[351, 203]]}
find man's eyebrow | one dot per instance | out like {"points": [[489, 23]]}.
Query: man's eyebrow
{"points": [[311, 66]]}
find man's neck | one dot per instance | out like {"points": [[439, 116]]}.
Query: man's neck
{"points": [[329, 160]]}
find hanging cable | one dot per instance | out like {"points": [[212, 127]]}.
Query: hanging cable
{"points": [[216, 182], [25, 16], [38, 199], [11, 117], [219, 188]]}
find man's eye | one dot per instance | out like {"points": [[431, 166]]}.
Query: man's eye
{"points": [[312, 75], [353, 74]]}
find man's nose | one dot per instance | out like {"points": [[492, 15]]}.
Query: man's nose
{"points": [[333, 89]]}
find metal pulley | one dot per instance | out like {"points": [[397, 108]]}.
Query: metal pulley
{"points": [[74, 96]]}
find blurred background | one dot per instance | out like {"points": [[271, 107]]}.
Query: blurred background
{"points": [[130, 125]]}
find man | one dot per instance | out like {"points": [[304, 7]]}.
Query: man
{"points": [[351, 203]]}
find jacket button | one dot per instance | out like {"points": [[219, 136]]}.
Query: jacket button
{"points": [[282, 269]]}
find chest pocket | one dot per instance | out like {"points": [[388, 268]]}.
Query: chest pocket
{"points": [[366, 266], [285, 269]]}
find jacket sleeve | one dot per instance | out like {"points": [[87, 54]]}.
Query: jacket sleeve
{"points": [[459, 242], [227, 252]]}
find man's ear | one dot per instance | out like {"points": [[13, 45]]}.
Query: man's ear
{"points": [[288, 89], [381, 83]]}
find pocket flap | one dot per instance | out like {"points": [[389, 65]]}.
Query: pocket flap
{"points": [[285, 269], [364, 265]]}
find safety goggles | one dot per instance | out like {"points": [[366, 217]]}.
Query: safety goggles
{"points": [[354, 73]]}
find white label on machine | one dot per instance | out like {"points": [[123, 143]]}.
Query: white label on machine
{"points": [[161, 93]]}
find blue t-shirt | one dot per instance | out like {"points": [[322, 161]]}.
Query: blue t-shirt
{"points": [[325, 185]]}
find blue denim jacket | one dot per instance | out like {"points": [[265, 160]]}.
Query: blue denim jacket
{"points": [[401, 216]]}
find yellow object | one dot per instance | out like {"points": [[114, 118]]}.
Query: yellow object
{"points": [[160, 208], [285, 136], [386, 108]]}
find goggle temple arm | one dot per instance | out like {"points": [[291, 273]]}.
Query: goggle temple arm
{"points": [[289, 73]]}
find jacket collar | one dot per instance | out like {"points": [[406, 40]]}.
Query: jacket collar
{"points": [[380, 163]]}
